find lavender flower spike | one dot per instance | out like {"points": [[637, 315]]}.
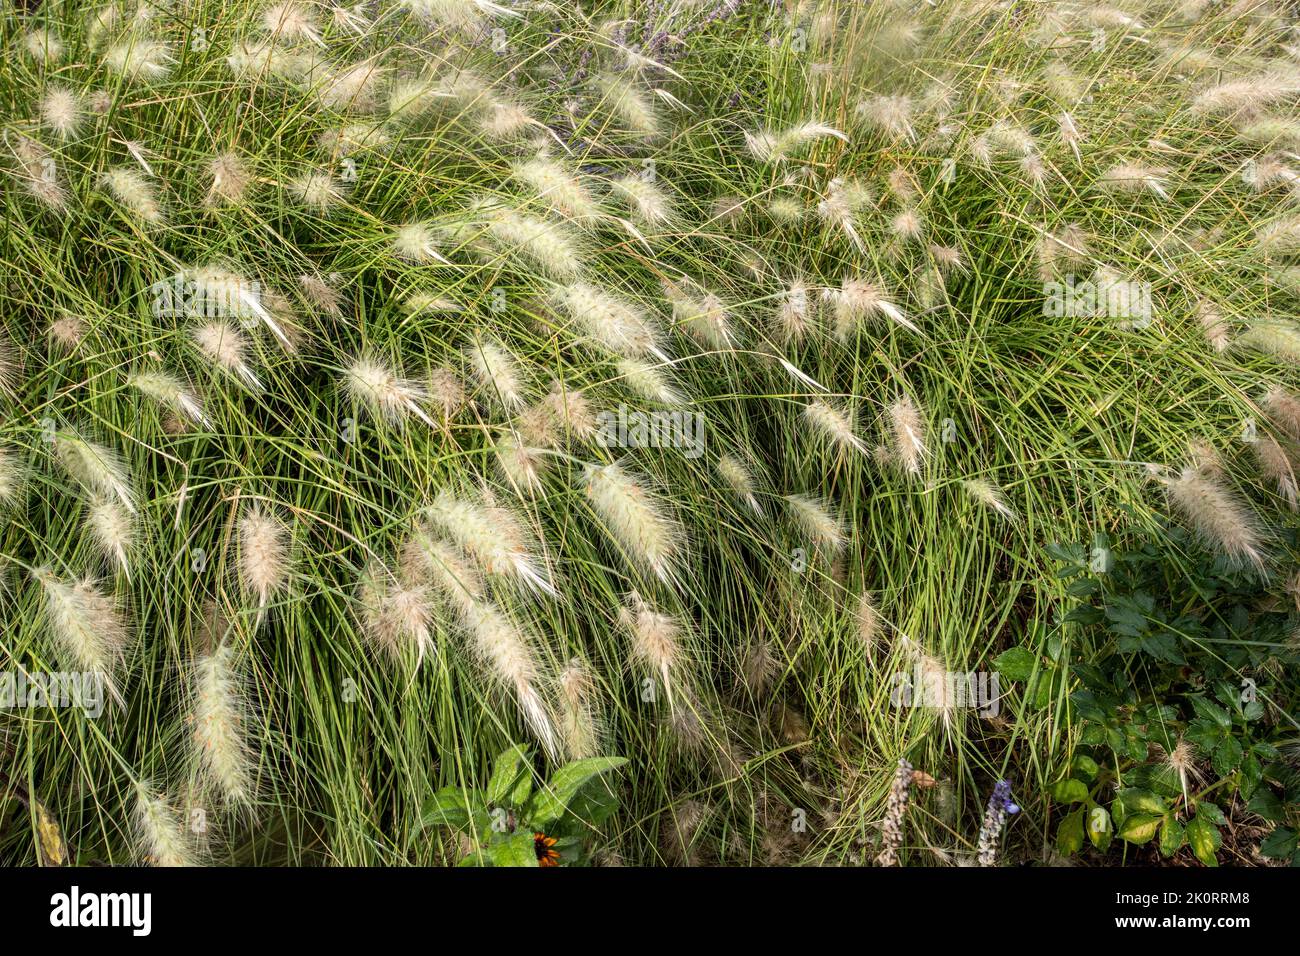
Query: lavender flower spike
{"points": [[995, 819]]}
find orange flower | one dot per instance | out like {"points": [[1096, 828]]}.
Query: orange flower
{"points": [[543, 847]]}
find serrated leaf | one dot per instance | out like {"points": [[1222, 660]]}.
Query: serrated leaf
{"points": [[1211, 711], [1085, 615], [1226, 757], [1211, 812], [1279, 844], [1265, 803], [1017, 663], [1251, 775]]}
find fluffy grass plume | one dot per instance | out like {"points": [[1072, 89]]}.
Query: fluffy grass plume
{"points": [[416, 335]]}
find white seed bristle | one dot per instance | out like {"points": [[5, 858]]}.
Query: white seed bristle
{"points": [[637, 519], [220, 716]]}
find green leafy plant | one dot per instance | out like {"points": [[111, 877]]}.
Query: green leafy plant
{"points": [[513, 823], [1178, 675]]}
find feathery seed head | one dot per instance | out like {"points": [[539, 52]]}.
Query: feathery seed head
{"points": [[648, 381], [1218, 515], [12, 475], [321, 294], [389, 398], [1283, 409], [226, 345], [140, 58], [66, 333], [264, 556], [350, 88], [768, 146], [650, 203], [220, 712], [506, 652], [1217, 330], [38, 172], [113, 531], [428, 559], [794, 313], [395, 614], [494, 538], [816, 519], [578, 721], [317, 191], [738, 477], [907, 429], [891, 116], [1135, 178], [168, 391], [97, 468], [416, 241], [657, 641], [43, 46], [857, 301], [88, 625], [1275, 338], [522, 464], [498, 374], [835, 424], [129, 187], [561, 413], [292, 21], [1276, 466], [61, 111], [990, 496], [557, 186], [164, 838], [868, 621], [636, 519], [704, 317], [610, 322], [231, 179], [546, 245]]}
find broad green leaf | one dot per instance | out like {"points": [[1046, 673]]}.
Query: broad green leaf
{"points": [[1069, 791], [1172, 836], [1211, 711], [1085, 768], [1069, 834], [1143, 801], [1015, 664], [1226, 757], [1139, 828], [1279, 844], [1265, 803], [518, 850], [1211, 812], [1251, 775], [512, 778], [550, 803], [1100, 830], [1204, 838]]}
